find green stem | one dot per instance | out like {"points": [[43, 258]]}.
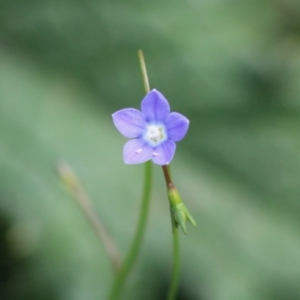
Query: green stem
{"points": [[176, 263], [175, 236], [131, 257], [144, 71], [121, 277]]}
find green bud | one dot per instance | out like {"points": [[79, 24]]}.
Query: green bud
{"points": [[179, 212]]}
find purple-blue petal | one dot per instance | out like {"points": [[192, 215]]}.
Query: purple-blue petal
{"points": [[155, 107], [136, 151], [177, 126], [163, 154], [130, 122]]}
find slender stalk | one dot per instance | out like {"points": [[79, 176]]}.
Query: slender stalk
{"points": [[69, 178], [176, 263], [166, 171], [144, 71], [121, 277], [175, 236]]}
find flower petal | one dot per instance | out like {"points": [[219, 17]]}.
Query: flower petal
{"points": [[136, 152], [155, 107], [177, 126], [163, 154], [130, 122]]}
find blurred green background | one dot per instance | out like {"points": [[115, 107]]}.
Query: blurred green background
{"points": [[232, 67]]}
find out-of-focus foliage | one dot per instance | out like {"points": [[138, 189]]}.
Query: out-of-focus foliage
{"points": [[232, 67]]}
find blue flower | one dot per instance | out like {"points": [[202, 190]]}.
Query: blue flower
{"points": [[153, 130]]}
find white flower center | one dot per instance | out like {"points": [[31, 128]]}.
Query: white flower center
{"points": [[155, 134]]}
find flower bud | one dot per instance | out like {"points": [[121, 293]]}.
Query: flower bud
{"points": [[179, 212]]}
